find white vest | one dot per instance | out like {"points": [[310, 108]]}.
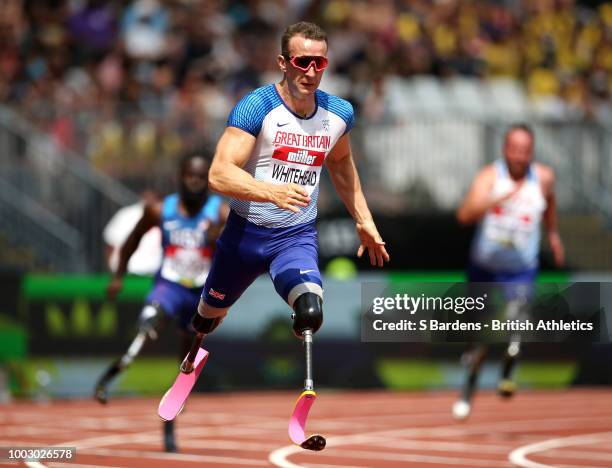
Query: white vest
{"points": [[508, 237]]}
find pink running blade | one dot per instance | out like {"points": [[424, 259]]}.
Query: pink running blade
{"points": [[174, 399], [297, 423]]}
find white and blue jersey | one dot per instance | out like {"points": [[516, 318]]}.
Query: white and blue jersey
{"points": [[289, 149], [260, 237], [186, 258], [507, 240]]}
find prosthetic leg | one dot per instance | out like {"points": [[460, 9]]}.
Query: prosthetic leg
{"points": [[168, 426], [474, 359], [516, 309], [150, 320], [506, 386], [174, 399], [307, 319]]}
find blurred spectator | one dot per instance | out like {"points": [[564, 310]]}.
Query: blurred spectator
{"points": [[144, 28], [148, 79], [147, 257], [92, 25]]}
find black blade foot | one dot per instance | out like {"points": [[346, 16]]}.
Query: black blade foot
{"points": [[101, 394], [169, 442], [314, 442], [506, 388]]}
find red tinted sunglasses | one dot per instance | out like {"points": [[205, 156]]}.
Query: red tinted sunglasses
{"points": [[305, 61]]}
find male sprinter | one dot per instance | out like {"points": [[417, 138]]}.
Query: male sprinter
{"points": [[269, 162], [508, 199], [190, 221]]}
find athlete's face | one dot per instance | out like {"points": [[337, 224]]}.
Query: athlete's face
{"points": [[303, 83], [518, 151], [194, 181]]}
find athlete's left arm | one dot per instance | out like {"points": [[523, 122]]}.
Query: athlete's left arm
{"points": [[346, 180], [547, 180]]}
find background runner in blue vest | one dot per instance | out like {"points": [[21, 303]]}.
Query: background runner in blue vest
{"points": [[508, 199], [190, 222]]}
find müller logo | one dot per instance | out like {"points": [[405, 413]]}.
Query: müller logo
{"points": [[302, 157], [299, 156]]}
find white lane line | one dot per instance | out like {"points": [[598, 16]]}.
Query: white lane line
{"points": [[190, 442], [175, 457], [88, 445], [519, 455], [33, 430], [353, 423], [21, 443], [573, 454], [486, 403], [527, 425], [92, 446], [279, 456], [321, 465], [483, 405], [484, 447], [440, 446], [154, 436], [411, 457]]}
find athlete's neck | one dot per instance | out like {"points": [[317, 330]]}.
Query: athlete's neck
{"points": [[518, 176], [191, 208], [302, 106]]}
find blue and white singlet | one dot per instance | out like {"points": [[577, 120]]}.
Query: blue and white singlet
{"points": [[289, 149], [186, 257]]}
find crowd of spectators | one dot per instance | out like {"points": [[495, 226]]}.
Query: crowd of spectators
{"points": [[131, 83]]}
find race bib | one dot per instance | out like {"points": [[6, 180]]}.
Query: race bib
{"points": [[188, 267], [509, 231], [299, 166]]}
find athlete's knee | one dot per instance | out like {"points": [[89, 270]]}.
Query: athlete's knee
{"points": [[150, 319], [208, 318], [307, 313], [514, 349]]}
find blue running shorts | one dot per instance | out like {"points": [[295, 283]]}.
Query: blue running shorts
{"points": [[177, 301], [245, 251], [515, 285]]}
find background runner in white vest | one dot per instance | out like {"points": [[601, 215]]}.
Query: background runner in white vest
{"points": [[508, 199]]}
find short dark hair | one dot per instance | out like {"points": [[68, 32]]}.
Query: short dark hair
{"points": [[188, 157], [519, 126], [304, 29]]}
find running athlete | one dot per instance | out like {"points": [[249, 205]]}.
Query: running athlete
{"points": [[269, 162], [508, 199], [190, 221]]}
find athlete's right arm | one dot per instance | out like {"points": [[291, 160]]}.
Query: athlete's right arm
{"points": [[227, 177], [151, 217], [478, 200]]}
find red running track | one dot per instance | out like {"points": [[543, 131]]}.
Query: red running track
{"points": [[570, 428]]}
